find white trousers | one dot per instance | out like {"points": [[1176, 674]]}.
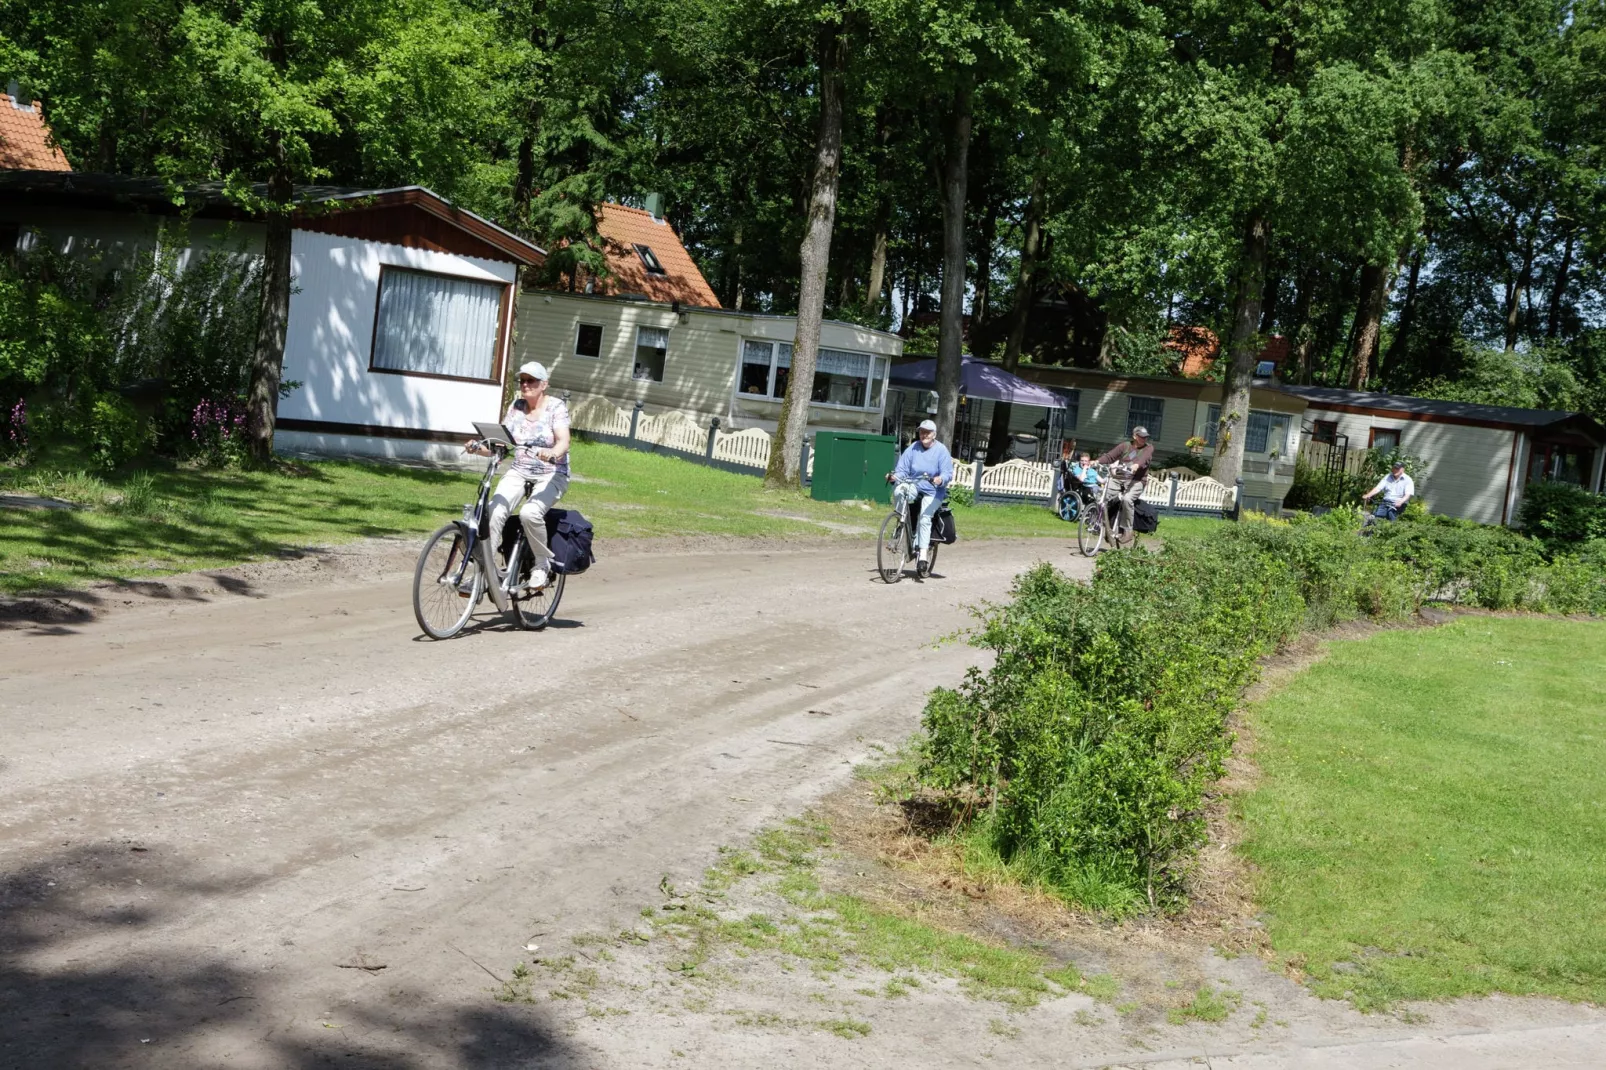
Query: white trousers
{"points": [[544, 494], [905, 493]]}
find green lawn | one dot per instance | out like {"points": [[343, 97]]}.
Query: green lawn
{"points": [[1432, 818], [170, 520]]}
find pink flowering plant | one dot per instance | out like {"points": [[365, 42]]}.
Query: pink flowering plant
{"points": [[217, 432], [14, 430]]}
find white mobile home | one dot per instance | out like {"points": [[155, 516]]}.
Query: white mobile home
{"points": [[1476, 459], [400, 321]]}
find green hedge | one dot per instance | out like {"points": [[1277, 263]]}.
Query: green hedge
{"points": [[1087, 750]]}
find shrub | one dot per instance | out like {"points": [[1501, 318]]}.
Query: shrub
{"points": [[1090, 744], [116, 432], [1102, 722], [961, 495], [1561, 514]]}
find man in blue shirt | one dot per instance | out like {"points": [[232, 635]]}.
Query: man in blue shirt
{"points": [[926, 470]]}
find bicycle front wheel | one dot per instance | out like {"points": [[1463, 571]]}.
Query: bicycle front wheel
{"points": [[445, 587], [1090, 529], [535, 612], [890, 549]]}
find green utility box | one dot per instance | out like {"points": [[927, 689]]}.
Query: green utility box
{"points": [[849, 464]]}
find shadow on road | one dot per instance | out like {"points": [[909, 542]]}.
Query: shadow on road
{"points": [[66, 1004]]}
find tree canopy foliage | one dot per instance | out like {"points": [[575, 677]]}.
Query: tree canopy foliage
{"points": [[1410, 191]]}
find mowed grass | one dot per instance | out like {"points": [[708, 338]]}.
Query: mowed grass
{"points": [[166, 519], [1432, 819]]}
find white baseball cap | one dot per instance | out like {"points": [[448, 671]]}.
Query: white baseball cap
{"points": [[928, 425], [534, 370]]}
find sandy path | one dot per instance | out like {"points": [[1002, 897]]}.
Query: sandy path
{"points": [[219, 806]]}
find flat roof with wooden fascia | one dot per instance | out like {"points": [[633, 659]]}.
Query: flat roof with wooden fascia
{"points": [[702, 310], [1264, 395]]}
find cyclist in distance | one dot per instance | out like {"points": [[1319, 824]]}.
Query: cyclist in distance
{"points": [[925, 470], [539, 426], [1132, 459], [1397, 489]]}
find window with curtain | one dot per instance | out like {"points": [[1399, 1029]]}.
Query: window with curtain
{"points": [[1264, 432], [756, 360], [437, 325], [841, 377], [652, 346], [1145, 412]]}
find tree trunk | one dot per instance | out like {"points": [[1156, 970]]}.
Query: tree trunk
{"points": [[883, 217], [1245, 349], [784, 465], [1019, 313], [1269, 302], [1514, 298], [950, 340], [1368, 323], [273, 316], [1107, 345], [981, 304], [1402, 333], [1304, 331], [1559, 290]]}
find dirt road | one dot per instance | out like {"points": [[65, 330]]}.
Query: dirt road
{"points": [[252, 820]]}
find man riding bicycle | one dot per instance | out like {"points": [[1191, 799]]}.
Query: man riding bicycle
{"points": [[925, 471], [1397, 489], [1131, 461]]}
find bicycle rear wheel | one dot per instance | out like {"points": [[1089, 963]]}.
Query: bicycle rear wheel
{"points": [[443, 600], [534, 612], [891, 548], [931, 557], [1090, 529]]}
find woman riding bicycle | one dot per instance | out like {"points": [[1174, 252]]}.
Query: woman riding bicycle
{"points": [[539, 426], [925, 470]]}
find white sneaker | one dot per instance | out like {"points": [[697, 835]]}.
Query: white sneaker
{"points": [[538, 578]]}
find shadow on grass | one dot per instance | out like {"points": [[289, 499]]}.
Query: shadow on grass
{"points": [[65, 1009]]}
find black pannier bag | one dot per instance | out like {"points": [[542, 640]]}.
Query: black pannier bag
{"points": [[942, 526], [1145, 517], [569, 536]]}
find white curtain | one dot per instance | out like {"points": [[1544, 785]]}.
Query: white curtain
{"points": [[756, 352], [840, 362], [783, 357], [652, 337], [437, 325]]}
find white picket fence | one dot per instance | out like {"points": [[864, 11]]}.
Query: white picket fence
{"points": [[1016, 479]]}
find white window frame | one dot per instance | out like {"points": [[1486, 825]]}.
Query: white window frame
{"points": [[880, 371], [664, 370], [1154, 424], [601, 336], [1279, 446], [498, 346]]}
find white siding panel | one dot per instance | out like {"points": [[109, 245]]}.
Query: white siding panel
{"points": [[330, 338]]}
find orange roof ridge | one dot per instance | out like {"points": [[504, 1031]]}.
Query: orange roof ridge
{"points": [[26, 143]]}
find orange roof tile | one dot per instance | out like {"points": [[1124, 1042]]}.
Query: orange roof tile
{"points": [[622, 229], [25, 140]]}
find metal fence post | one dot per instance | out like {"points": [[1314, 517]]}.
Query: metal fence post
{"points": [[1237, 499], [1171, 494], [635, 418], [975, 490], [803, 463], [713, 432]]}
